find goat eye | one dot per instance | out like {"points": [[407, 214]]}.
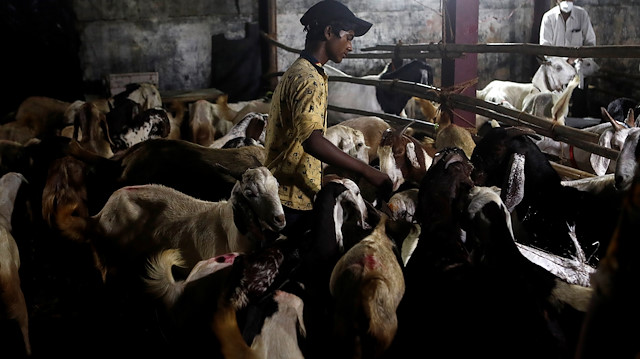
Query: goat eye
{"points": [[249, 193]]}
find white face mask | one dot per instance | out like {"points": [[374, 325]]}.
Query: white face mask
{"points": [[566, 6]]}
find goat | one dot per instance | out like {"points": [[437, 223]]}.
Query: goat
{"points": [[13, 304], [349, 140], [201, 123], [627, 163], [449, 134], [372, 127], [64, 197], [439, 261], [252, 125], [552, 75], [36, 116], [322, 243], [619, 108], [367, 285], [200, 177], [372, 98], [90, 128], [609, 328], [220, 296], [611, 135], [137, 220], [542, 207], [551, 105], [129, 124], [403, 158]]}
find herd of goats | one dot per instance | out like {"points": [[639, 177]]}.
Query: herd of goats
{"points": [[129, 226]]}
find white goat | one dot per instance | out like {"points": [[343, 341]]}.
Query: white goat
{"points": [[138, 220], [13, 304], [252, 125], [612, 135], [349, 140], [627, 162], [552, 75]]}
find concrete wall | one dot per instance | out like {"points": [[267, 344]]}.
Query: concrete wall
{"points": [[167, 36], [174, 37]]}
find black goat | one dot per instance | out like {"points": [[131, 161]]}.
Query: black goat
{"points": [[507, 158]]}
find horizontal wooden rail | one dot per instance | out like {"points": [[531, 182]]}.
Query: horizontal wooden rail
{"points": [[587, 141]]}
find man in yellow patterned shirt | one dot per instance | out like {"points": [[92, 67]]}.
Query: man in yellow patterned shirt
{"points": [[295, 142]]}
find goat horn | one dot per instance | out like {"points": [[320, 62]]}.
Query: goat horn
{"points": [[518, 131], [407, 126], [614, 123]]}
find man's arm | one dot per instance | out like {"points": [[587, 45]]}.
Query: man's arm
{"points": [[321, 148]]}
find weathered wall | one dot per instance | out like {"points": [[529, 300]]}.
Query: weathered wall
{"points": [[174, 38], [170, 37]]}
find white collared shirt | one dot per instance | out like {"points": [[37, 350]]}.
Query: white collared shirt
{"points": [[577, 31]]}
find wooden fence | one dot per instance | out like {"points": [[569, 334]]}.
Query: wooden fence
{"points": [[582, 139]]}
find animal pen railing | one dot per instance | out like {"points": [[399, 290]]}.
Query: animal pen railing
{"points": [[585, 140]]}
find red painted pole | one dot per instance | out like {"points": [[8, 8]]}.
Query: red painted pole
{"points": [[461, 17]]}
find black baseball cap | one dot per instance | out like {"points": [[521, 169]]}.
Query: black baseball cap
{"points": [[328, 10]]}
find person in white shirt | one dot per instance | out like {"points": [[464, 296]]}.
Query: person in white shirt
{"points": [[568, 25]]}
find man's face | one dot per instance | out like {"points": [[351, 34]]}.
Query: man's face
{"points": [[339, 46]]}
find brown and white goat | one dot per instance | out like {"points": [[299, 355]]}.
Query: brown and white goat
{"points": [[367, 285], [403, 157], [36, 116], [137, 220], [89, 128], [217, 288], [205, 125], [449, 134], [372, 127], [12, 301]]}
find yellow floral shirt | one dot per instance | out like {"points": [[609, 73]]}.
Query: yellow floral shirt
{"points": [[298, 107]]}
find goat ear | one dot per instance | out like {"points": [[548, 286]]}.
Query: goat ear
{"points": [[513, 190], [601, 163], [631, 119], [404, 129]]}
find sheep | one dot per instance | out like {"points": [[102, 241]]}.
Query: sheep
{"points": [[372, 127], [367, 285], [14, 307], [137, 220]]}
